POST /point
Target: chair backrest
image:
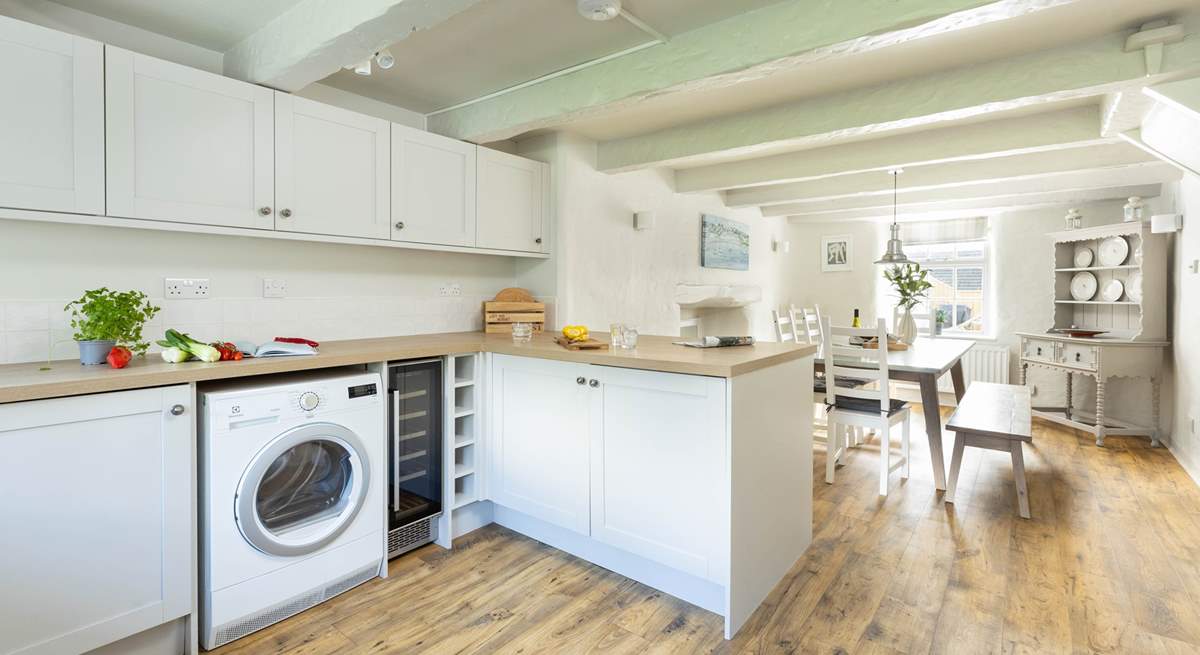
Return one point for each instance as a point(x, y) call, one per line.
point(807, 324)
point(785, 329)
point(845, 359)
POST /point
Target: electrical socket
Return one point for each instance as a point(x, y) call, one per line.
point(185, 287)
point(450, 290)
point(274, 287)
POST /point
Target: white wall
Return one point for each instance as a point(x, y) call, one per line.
point(837, 294)
point(334, 291)
point(604, 271)
point(1185, 318)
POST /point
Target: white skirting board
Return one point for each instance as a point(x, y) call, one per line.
point(470, 518)
point(697, 591)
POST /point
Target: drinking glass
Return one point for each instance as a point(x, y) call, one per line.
point(522, 332)
point(616, 335)
point(630, 338)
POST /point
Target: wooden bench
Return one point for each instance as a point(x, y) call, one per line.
point(996, 417)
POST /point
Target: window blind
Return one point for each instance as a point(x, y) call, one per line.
point(955, 229)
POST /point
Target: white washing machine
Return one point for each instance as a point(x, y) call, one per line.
point(292, 480)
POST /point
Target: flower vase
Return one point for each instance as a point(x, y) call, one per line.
point(906, 328)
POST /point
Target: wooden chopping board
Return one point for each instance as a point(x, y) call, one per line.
point(514, 294)
point(589, 344)
point(891, 346)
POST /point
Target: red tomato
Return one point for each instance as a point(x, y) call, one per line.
point(119, 357)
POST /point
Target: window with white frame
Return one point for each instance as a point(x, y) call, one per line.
point(955, 252)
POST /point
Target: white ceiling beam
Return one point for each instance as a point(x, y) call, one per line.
point(1043, 132)
point(1153, 172)
point(933, 176)
point(976, 206)
point(315, 38)
point(751, 46)
point(1070, 73)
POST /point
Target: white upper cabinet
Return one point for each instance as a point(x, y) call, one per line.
point(513, 202)
point(540, 439)
point(187, 146)
point(433, 188)
point(331, 170)
point(51, 120)
point(658, 460)
point(98, 515)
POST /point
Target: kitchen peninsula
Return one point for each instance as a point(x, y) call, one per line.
point(689, 470)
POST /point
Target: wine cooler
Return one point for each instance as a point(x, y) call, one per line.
point(414, 453)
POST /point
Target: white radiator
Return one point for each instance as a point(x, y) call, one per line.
point(983, 363)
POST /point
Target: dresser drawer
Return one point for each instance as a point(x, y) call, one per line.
point(1039, 349)
point(1080, 356)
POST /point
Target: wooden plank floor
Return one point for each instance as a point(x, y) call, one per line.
point(1110, 563)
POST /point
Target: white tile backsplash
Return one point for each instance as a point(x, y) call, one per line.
point(29, 327)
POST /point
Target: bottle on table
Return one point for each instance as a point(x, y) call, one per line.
point(856, 322)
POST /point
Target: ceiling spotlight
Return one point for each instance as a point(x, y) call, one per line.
point(385, 59)
point(599, 9)
point(363, 67)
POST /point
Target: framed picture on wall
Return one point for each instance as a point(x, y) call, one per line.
point(837, 253)
point(724, 243)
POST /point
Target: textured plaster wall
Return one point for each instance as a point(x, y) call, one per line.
point(1184, 320)
point(838, 294)
point(604, 271)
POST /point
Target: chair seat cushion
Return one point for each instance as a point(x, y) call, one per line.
point(867, 405)
point(843, 383)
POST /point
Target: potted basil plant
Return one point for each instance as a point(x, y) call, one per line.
point(103, 318)
point(941, 318)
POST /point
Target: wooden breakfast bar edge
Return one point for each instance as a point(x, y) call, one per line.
point(60, 378)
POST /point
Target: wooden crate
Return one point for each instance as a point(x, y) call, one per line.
point(499, 315)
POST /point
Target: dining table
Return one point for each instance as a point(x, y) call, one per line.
point(925, 361)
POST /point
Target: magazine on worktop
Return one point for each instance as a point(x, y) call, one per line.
point(717, 342)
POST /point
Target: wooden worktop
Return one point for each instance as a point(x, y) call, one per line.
point(68, 378)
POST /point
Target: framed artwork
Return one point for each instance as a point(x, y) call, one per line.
point(724, 243)
point(837, 253)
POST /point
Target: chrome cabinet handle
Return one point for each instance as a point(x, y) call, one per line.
point(265, 211)
point(286, 213)
point(593, 383)
point(177, 410)
point(399, 225)
point(538, 240)
point(581, 380)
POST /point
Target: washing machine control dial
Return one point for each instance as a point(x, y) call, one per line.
point(309, 401)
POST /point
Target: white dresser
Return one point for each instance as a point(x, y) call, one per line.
point(1134, 325)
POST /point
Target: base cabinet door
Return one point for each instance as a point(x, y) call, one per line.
point(97, 515)
point(331, 170)
point(539, 457)
point(513, 201)
point(186, 145)
point(433, 188)
point(51, 120)
point(658, 467)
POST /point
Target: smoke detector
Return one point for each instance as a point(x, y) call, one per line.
point(599, 9)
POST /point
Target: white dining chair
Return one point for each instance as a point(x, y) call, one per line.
point(866, 406)
point(785, 326)
point(808, 323)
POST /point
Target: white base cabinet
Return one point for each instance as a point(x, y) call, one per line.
point(633, 459)
point(97, 514)
point(51, 120)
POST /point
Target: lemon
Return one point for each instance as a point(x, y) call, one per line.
point(575, 332)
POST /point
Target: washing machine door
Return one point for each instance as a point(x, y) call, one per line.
point(302, 490)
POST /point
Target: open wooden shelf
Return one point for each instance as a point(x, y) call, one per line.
point(1099, 268)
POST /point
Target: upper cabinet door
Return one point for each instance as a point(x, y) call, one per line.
point(331, 170)
point(433, 188)
point(187, 146)
point(51, 120)
point(513, 202)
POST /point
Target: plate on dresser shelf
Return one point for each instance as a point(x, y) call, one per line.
point(1079, 332)
point(1083, 257)
point(1083, 286)
point(1133, 286)
point(1112, 291)
point(1113, 251)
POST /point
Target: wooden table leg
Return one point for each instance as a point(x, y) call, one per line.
point(1018, 464)
point(956, 376)
point(960, 443)
point(933, 427)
